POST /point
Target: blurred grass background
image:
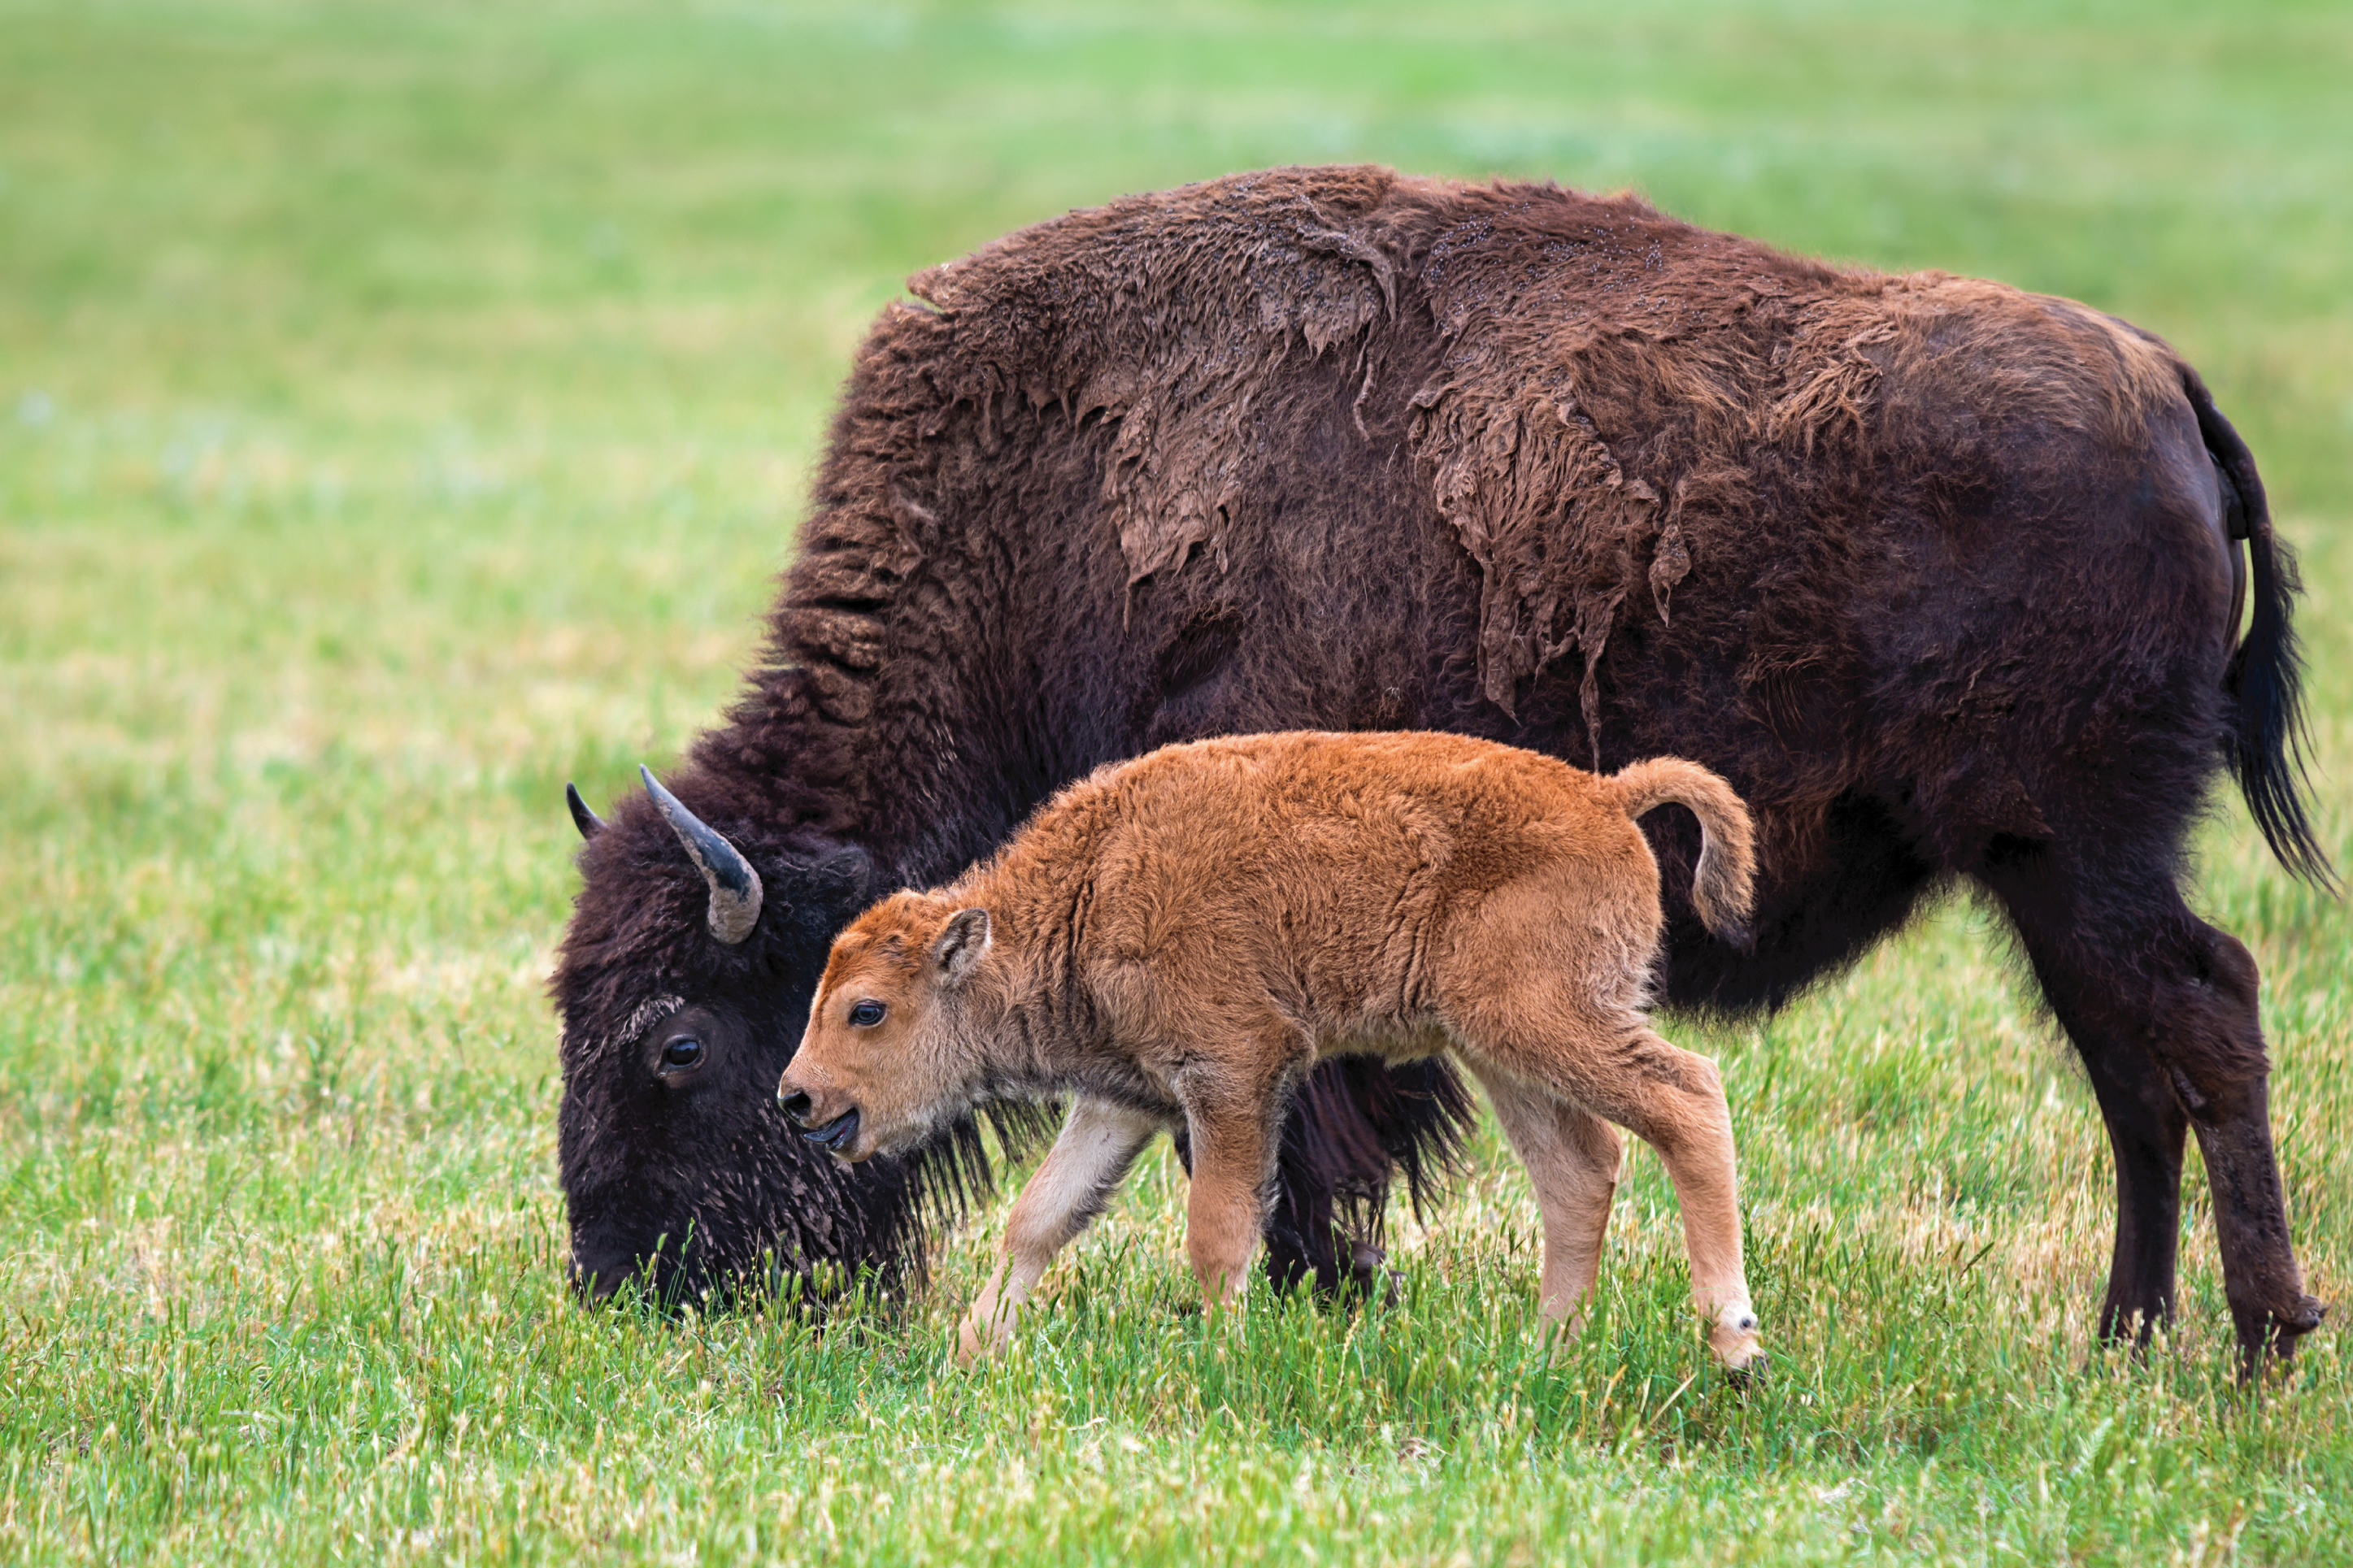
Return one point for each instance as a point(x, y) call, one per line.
point(405, 408)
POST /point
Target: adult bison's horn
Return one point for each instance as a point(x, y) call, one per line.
point(586, 821)
point(734, 886)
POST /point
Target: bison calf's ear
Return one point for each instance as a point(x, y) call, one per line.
point(961, 945)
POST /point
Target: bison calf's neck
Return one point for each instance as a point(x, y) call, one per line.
point(1177, 940)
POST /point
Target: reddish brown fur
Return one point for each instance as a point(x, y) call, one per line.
point(1178, 939)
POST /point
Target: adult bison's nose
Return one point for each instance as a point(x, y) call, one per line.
point(607, 1257)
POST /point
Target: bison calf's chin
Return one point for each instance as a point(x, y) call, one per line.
point(1176, 940)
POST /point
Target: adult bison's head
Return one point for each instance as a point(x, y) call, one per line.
point(684, 983)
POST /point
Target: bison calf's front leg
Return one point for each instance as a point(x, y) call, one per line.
point(1085, 1166)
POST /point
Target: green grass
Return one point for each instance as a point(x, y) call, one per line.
point(404, 408)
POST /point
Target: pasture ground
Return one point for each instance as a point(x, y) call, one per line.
point(403, 408)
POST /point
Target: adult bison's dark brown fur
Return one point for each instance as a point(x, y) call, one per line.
point(1938, 574)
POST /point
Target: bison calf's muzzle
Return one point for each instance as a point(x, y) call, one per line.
point(839, 1134)
point(1176, 940)
point(823, 1119)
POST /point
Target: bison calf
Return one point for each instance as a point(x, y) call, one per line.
point(1178, 939)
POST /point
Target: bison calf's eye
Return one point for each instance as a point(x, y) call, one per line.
point(682, 1053)
point(865, 1015)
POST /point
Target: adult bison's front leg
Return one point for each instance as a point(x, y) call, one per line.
point(1353, 1124)
point(2163, 1009)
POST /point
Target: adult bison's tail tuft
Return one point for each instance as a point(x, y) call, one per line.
point(1722, 886)
point(2265, 675)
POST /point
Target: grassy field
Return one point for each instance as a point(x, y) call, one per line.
point(403, 408)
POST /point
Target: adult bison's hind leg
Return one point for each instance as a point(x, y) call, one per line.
point(2147, 1126)
point(2162, 1008)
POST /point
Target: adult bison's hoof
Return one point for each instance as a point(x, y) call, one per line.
point(1369, 1279)
point(2262, 1330)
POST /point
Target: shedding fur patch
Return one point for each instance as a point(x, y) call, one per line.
point(1608, 375)
point(1620, 418)
point(1172, 316)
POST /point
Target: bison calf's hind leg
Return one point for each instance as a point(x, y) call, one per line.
point(1572, 1156)
point(1674, 1101)
point(1086, 1164)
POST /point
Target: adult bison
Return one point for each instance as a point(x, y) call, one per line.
point(1943, 577)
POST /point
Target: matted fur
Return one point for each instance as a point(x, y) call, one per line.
point(1177, 940)
point(1937, 572)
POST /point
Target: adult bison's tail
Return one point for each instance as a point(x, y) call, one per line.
point(1722, 886)
point(2265, 675)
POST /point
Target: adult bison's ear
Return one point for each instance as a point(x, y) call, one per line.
point(960, 945)
point(847, 876)
point(734, 885)
point(586, 821)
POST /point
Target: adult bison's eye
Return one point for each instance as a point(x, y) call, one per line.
point(682, 1052)
point(865, 1015)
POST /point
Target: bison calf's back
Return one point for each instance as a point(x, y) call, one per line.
point(1175, 940)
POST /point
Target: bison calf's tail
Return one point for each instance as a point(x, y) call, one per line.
point(1721, 888)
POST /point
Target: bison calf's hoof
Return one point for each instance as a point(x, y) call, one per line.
point(1734, 1338)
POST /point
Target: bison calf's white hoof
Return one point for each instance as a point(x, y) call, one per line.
point(1735, 1339)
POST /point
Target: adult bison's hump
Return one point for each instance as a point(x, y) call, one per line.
point(1606, 409)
